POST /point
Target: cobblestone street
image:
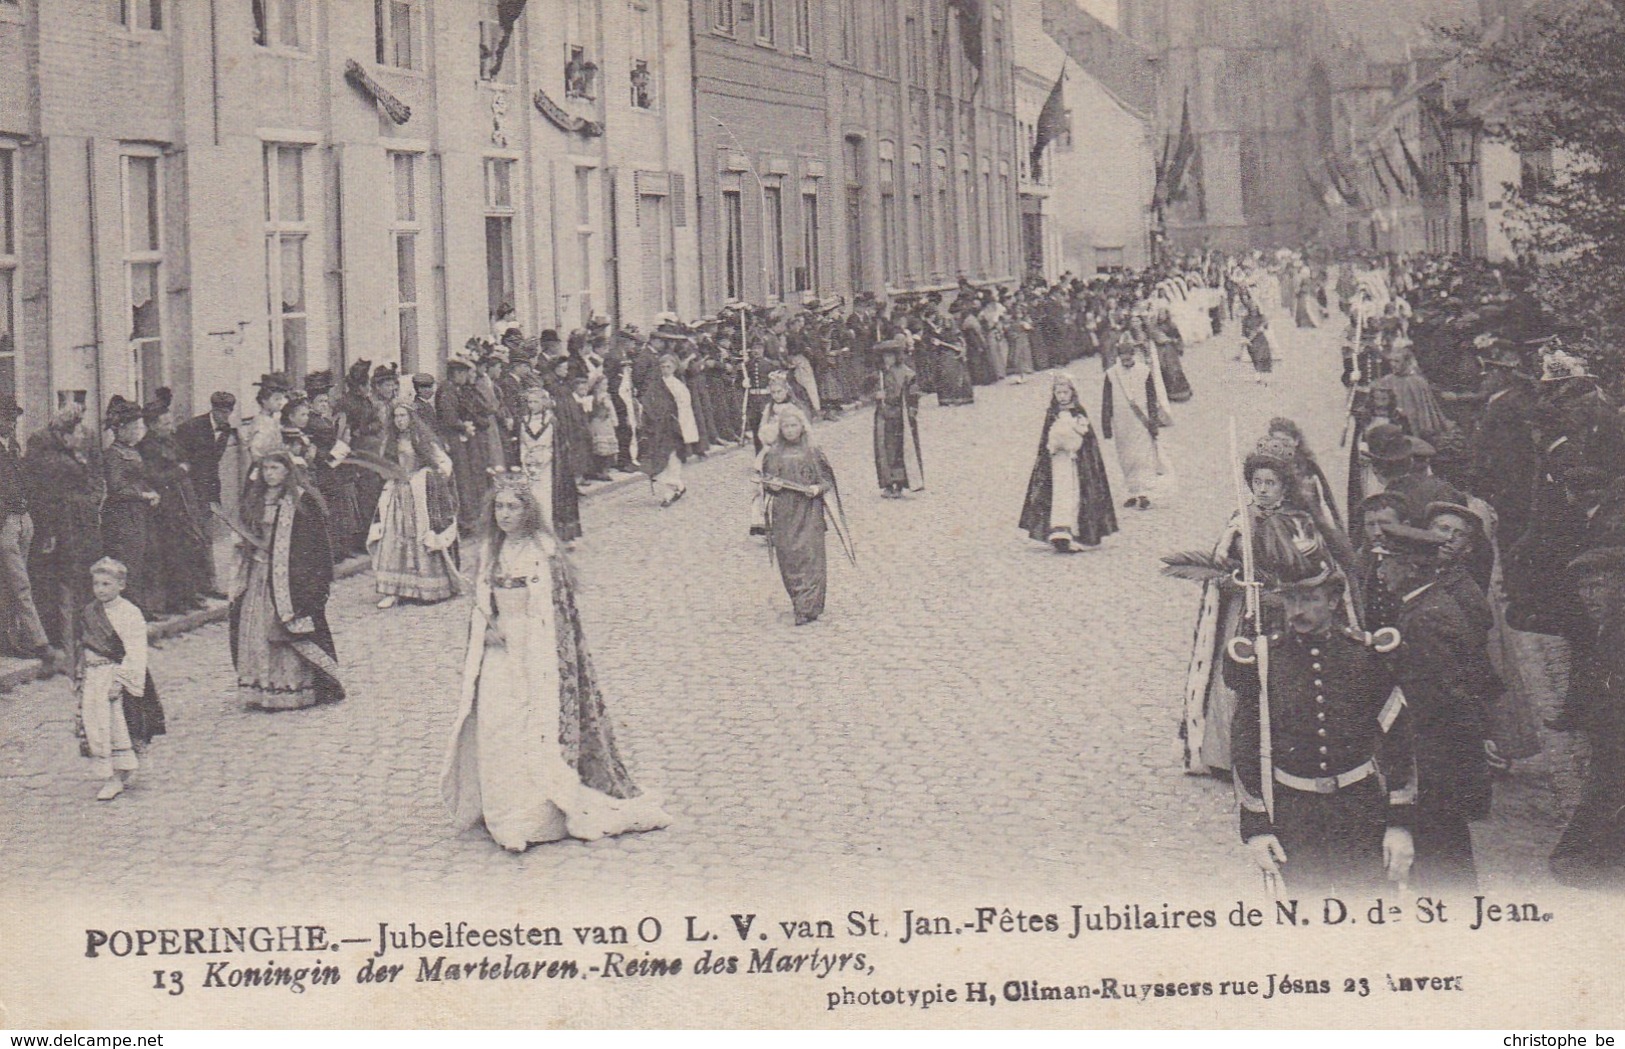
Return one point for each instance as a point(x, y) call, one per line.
point(972, 706)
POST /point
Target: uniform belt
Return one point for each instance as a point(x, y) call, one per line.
point(1326, 784)
point(762, 390)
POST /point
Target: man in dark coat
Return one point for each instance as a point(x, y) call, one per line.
point(1399, 462)
point(67, 488)
point(1344, 775)
point(20, 626)
point(204, 440)
point(1439, 664)
point(1506, 462)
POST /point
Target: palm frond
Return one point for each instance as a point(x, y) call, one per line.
point(1198, 567)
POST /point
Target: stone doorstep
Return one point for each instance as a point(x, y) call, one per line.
point(15, 671)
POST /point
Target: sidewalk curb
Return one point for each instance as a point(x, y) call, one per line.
point(27, 670)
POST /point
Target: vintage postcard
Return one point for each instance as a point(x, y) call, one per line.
point(811, 514)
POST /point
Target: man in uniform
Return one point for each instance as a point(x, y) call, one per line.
point(1342, 748)
point(1442, 671)
point(1506, 461)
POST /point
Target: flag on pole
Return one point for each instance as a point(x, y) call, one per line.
point(970, 30)
point(1418, 177)
point(1183, 150)
point(1053, 123)
point(1382, 151)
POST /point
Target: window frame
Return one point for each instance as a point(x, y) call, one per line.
point(732, 228)
point(134, 258)
point(811, 235)
point(586, 232)
point(275, 22)
point(644, 55)
point(766, 24)
point(801, 27)
point(773, 241)
point(724, 17)
point(493, 210)
point(400, 227)
point(124, 16)
point(278, 231)
point(387, 47)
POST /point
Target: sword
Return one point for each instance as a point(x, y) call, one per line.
point(1251, 588)
point(237, 526)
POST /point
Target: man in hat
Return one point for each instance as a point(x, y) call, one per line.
point(204, 440)
point(461, 420)
point(19, 619)
point(1342, 745)
point(1506, 462)
point(424, 387)
point(1397, 460)
point(1441, 670)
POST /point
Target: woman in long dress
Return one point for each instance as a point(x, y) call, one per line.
point(532, 753)
point(1069, 500)
point(798, 483)
point(1133, 388)
point(540, 456)
point(280, 642)
point(667, 430)
point(413, 535)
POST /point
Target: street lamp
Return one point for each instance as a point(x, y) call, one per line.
point(1462, 130)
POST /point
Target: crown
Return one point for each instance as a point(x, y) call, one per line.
point(509, 478)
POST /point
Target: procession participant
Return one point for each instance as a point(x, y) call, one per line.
point(533, 753)
point(204, 440)
point(281, 645)
point(1314, 490)
point(1281, 535)
point(1069, 500)
point(949, 353)
point(492, 438)
point(180, 562)
point(368, 405)
point(898, 462)
point(295, 417)
point(1591, 852)
point(1164, 335)
point(757, 369)
point(978, 357)
point(1131, 382)
point(127, 511)
point(415, 529)
point(1255, 329)
point(799, 483)
point(1506, 462)
point(991, 318)
point(328, 430)
point(1437, 667)
point(545, 463)
point(262, 434)
point(1019, 327)
point(779, 402)
point(573, 446)
point(667, 430)
point(118, 704)
point(66, 488)
point(1344, 779)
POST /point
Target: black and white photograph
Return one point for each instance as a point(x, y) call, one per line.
point(812, 513)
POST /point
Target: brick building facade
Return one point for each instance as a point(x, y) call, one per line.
point(852, 145)
point(202, 192)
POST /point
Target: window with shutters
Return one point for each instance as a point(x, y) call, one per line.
point(278, 23)
point(586, 228)
point(773, 216)
point(645, 54)
point(396, 30)
point(404, 234)
point(733, 243)
point(138, 14)
point(809, 239)
point(723, 17)
point(8, 270)
point(287, 237)
point(501, 213)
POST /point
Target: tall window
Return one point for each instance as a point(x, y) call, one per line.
point(143, 268)
point(645, 52)
point(916, 213)
point(1002, 222)
point(989, 235)
point(886, 36)
point(809, 238)
point(773, 208)
point(966, 217)
point(765, 22)
point(722, 16)
point(853, 163)
point(585, 229)
point(501, 284)
point(287, 232)
point(914, 40)
point(802, 37)
point(396, 29)
point(278, 23)
point(404, 234)
point(138, 14)
point(8, 270)
point(497, 61)
point(889, 254)
point(733, 243)
point(947, 228)
point(850, 33)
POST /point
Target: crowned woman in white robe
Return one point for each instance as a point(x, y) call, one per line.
point(532, 752)
point(1131, 416)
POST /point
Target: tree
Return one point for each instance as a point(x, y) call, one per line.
point(1562, 83)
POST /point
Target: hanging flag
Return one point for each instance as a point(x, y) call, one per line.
point(1418, 177)
point(1183, 150)
point(1378, 174)
point(1198, 182)
point(1322, 193)
point(970, 30)
point(1159, 195)
point(1053, 123)
point(1382, 151)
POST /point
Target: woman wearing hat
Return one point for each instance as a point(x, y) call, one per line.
point(180, 563)
point(264, 431)
point(127, 511)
